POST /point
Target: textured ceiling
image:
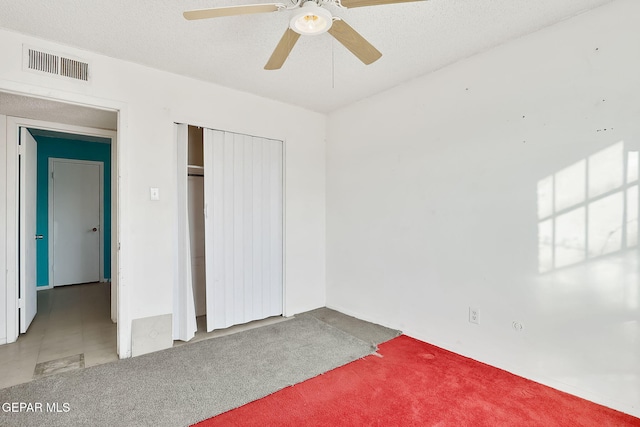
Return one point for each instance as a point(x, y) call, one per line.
point(57, 112)
point(320, 74)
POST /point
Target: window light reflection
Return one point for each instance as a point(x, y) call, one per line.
point(588, 209)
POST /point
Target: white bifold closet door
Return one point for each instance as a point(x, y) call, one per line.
point(243, 228)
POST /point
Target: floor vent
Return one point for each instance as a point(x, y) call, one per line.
point(51, 63)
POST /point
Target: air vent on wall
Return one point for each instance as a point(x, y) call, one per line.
point(51, 63)
point(74, 69)
point(42, 61)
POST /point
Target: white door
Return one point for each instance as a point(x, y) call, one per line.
point(243, 228)
point(27, 300)
point(75, 221)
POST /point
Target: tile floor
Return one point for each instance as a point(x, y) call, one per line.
point(71, 320)
point(76, 320)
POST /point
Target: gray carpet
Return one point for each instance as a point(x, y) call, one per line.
point(187, 384)
point(366, 331)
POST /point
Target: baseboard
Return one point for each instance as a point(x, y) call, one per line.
point(361, 316)
point(44, 288)
point(505, 365)
point(149, 334)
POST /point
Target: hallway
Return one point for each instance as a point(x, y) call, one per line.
point(73, 323)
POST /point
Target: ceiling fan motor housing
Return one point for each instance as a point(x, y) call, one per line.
point(311, 19)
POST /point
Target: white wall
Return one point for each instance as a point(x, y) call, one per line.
point(432, 206)
point(3, 236)
point(150, 102)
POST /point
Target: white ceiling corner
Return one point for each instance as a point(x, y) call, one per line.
point(320, 74)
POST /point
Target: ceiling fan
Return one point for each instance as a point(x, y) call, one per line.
point(311, 18)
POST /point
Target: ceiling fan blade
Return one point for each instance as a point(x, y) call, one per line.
point(353, 41)
point(282, 51)
point(360, 3)
point(217, 12)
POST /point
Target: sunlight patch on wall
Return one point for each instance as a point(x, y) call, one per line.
point(605, 170)
point(569, 239)
point(632, 216)
point(588, 209)
point(605, 225)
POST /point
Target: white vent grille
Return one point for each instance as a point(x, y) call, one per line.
point(51, 63)
point(74, 69)
point(42, 61)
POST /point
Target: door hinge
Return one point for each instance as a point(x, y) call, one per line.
point(21, 303)
point(20, 149)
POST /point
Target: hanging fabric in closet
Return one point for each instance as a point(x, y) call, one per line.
point(243, 227)
point(184, 315)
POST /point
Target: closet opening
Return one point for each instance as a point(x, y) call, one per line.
point(195, 201)
point(230, 232)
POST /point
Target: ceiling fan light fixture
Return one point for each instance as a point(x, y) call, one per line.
point(311, 19)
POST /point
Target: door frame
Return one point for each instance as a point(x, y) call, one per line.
point(50, 180)
point(13, 125)
point(121, 235)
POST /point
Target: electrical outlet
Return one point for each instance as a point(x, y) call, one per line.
point(474, 315)
point(154, 193)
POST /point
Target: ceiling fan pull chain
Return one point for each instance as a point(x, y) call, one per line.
point(333, 64)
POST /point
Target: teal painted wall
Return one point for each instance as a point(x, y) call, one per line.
point(77, 150)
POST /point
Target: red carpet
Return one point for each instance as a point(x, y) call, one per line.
point(417, 384)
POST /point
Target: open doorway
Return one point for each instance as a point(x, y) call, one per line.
point(73, 211)
point(65, 285)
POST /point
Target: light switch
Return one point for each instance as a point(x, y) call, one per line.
point(154, 193)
